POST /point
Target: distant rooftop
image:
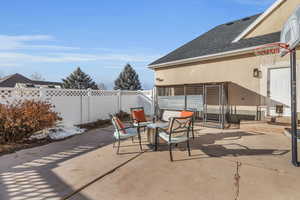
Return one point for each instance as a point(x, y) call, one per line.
point(12, 80)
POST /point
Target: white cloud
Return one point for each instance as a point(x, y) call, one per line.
point(21, 42)
point(12, 58)
point(50, 47)
point(27, 37)
point(8, 65)
point(256, 2)
point(12, 52)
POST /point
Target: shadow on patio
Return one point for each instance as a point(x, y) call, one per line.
point(223, 144)
point(38, 178)
point(28, 180)
point(32, 175)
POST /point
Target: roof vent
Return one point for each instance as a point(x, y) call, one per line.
point(245, 19)
point(230, 23)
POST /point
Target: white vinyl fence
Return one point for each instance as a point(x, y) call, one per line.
point(82, 106)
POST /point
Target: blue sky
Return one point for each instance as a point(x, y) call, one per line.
point(52, 37)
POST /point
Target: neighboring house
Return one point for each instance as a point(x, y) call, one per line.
point(221, 65)
point(20, 81)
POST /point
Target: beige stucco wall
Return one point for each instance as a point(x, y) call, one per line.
point(245, 90)
point(274, 22)
point(238, 70)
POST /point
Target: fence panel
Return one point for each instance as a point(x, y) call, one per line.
point(102, 106)
point(80, 106)
point(128, 99)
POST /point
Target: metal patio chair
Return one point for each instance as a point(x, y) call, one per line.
point(167, 114)
point(139, 119)
point(189, 113)
point(122, 133)
point(177, 132)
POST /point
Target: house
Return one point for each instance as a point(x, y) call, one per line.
point(20, 81)
point(221, 65)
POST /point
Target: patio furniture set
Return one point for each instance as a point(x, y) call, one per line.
point(173, 127)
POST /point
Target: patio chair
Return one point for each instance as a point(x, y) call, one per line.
point(122, 132)
point(167, 114)
point(138, 118)
point(189, 113)
point(177, 132)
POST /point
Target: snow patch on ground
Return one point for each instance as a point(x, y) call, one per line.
point(64, 132)
point(59, 132)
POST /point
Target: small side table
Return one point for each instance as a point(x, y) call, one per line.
point(155, 126)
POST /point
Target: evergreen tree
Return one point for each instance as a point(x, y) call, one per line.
point(79, 80)
point(128, 79)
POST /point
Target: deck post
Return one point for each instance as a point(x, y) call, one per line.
point(185, 97)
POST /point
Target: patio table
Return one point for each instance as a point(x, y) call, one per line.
point(156, 126)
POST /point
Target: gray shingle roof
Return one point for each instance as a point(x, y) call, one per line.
point(219, 40)
point(46, 83)
point(11, 80)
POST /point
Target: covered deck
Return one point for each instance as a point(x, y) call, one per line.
point(215, 104)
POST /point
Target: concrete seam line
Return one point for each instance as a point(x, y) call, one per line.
point(100, 177)
point(248, 164)
point(237, 178)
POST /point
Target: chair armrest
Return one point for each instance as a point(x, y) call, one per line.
point(180, 117)
point(128, 127)
point(164, 130)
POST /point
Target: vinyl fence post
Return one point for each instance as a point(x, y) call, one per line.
point(119, 101)
point(89, 94)
point(43, 94)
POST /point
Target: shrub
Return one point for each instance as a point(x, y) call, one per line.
point(97, 124)
point(20, 119)
point(124, 116)
point(104, 122)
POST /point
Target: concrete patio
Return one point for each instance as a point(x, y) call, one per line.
point(86, 167)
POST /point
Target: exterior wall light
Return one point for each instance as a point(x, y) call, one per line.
point(256, 73)
point(159, 79)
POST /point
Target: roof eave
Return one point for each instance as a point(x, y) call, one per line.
point(204, 58)
point(259, 20)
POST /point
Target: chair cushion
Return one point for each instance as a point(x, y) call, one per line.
point(120, 125)
point(167, 114)
point(130, 132)
point(139, 115)
point(174, 139)
point(162, 125)
point(185, 113)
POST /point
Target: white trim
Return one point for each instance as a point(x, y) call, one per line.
point(259, 19)
point(207, 57)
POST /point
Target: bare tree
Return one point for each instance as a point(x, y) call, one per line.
point(102, 86)
point(37, 77)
